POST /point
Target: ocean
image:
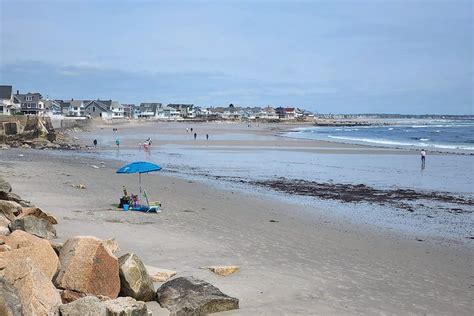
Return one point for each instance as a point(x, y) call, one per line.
point(456, 136)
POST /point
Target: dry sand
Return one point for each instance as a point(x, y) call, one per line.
point(289, 263)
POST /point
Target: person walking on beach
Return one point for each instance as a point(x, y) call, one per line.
point(191, 129)
point(207, 136)
point(423, 157)
point(195, 135)
point(117, 142)
point(95, 142)
point(187, 129)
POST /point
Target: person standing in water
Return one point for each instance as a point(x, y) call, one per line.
point(207, 136)
point(95, 142)
point(117, 142)
point(423, 157)
point(195, 135)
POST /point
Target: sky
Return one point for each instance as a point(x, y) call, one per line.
point(378, 56)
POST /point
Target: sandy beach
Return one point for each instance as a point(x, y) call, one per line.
point(296, 256)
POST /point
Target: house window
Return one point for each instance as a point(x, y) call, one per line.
point(28, 105)
point(29, 98)
point(93, 109)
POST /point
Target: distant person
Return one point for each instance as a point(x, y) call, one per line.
point(117, 142)
point(95, 142)
point(207, 136)
point(423, 156)
point(191, 129)
point(195, 135)
point(187, 129)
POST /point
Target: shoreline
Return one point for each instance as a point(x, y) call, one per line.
point(344, 266)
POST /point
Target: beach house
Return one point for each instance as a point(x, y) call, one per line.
point(105, 109)
point(51, 107)
point(29, 103)
point(286, 113)
point(184, 110)
point(130, 111)
point(6, 100)
point(149, 109)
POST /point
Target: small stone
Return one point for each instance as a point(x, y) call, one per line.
point(160, 275)
point(223, 270)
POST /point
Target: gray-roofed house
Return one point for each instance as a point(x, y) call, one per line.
point(105, 109)
point(29, 103)
point(6, 100)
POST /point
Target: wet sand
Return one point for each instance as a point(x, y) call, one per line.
point(291, 263)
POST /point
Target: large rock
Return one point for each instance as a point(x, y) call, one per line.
point(10, 209)
point(126, 306)
point(134, 279)
point(88, 267)
point(10, 304)
point(89, 305)
point(37, 212)
point(25, 246)
point(10, 196)
point(37, 294)
point(5, 186)
point(34, 225)
point(190, 296)
point(160, 275)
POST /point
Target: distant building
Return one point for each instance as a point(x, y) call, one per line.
point(105, 109)
point(286, 113)
point(29, 103)
point(51, 107)
point(6, 100)
point(184, 110)
point(149, 109)
point(130, 111)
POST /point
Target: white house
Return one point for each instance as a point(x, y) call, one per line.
point(6, 100)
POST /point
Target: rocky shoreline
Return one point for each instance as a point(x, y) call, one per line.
point(83, 276)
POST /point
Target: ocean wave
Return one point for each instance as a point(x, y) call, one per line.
point(395, 143)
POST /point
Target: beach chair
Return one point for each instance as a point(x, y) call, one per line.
point(150, 207)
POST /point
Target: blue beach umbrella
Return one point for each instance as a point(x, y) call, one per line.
point(139, 167)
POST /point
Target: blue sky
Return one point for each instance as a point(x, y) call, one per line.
point(326, 56)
